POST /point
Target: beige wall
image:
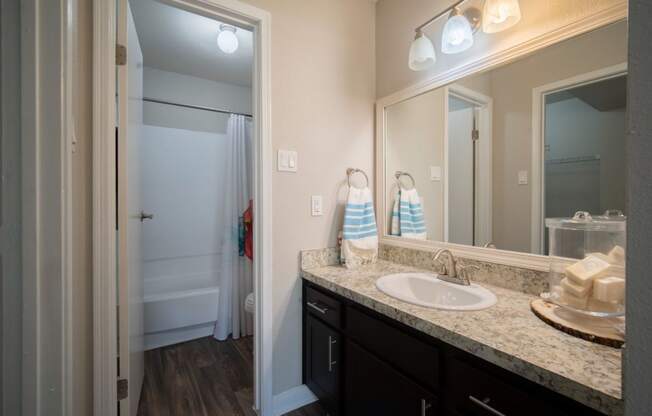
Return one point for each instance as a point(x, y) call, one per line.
point(397, 19)
point(415, 142)
point(322, 106)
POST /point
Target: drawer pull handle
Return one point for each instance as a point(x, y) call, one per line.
point(484, 404)
point(314, 306)
point(331, 363)
point(425, 406)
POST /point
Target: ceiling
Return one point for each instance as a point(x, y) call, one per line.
point(606, 95)
point(178, 41)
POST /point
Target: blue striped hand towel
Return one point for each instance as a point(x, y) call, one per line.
point(360, 236)
point(411, 223)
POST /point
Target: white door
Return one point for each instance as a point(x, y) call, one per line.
point(461, 162)
point(130, 282)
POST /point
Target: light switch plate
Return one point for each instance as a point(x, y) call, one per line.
point(316, 206)
point(287, 161)
point(522, 177)
point(435, 173)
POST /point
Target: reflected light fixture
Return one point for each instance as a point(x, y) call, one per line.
point(422, 53)
point(499, 15)
point(457, 35)
point(227, 41)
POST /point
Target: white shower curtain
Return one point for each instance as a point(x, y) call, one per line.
point(236, 277)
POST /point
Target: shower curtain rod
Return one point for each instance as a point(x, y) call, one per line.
point(194, 107)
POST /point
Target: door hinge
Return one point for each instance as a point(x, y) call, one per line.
point(475, 134)
point(120, 55)
point(123, 388)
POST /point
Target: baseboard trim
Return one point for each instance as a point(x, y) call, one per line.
point(292, 399)
point(177, 335)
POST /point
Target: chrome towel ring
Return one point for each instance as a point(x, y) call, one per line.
point(351, 171)
point(398, 175)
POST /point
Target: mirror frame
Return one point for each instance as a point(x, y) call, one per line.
point(538, 262)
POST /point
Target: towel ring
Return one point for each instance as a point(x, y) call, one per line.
point(351, 171)
point(398, 175)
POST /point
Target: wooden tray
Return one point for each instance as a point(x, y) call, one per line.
point(599, 330)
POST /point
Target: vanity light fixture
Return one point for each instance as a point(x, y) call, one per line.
point(422, 53)
point(499, 15)
point(457, 36)
point(227, 41)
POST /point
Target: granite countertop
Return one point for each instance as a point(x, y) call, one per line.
point(507, 334)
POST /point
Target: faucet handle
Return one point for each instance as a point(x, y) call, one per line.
point(464, 271)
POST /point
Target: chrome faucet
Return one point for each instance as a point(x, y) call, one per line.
point(450, 274)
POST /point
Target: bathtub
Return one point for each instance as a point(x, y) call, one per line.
point(179, 309)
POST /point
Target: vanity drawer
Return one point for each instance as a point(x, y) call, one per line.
point(475, 390)
point(414, 357)
point(324, 307)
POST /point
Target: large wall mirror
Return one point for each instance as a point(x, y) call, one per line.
point(484, 160)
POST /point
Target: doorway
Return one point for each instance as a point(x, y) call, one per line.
point(468, 177)
point(578, 127)
point(174, 181)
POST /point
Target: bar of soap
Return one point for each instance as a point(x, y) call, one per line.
point(609, 289)
point(617, 255)
point(573, 301)
point(575, 289)
point(601, 256)
point(616, 268)
point(584, 271)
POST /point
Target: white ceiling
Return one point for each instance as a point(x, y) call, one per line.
point(178, 41)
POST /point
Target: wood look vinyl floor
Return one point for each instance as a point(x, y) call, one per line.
point(203, 377)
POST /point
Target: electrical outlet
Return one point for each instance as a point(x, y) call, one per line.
point(316, 206)
point(522, 177)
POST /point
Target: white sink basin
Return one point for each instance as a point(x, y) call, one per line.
point(425, 289)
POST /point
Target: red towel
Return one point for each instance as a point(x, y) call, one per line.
point(248, 219)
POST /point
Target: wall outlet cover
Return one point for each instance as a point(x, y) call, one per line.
point(316, 206)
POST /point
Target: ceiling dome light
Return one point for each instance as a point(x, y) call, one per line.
point(457, 35)
point(227, 41)
point(499, 15)
point(422, 53)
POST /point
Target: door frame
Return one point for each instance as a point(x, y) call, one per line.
point(537, 221)
point(484, 162)
point(104, 195)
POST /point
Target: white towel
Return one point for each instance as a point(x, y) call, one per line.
point(360, 236)
point(409, 215)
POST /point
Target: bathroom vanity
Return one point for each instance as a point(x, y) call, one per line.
point(366, 353)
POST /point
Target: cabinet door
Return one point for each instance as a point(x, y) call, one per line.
point(374, 388)
point(322, 363)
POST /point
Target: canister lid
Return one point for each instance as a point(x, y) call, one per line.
point(611, 220)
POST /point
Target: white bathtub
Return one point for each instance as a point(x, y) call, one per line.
point(179, 309)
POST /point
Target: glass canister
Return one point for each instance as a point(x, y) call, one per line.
point(593, 282)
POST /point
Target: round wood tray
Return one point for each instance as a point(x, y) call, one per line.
point(599, 330)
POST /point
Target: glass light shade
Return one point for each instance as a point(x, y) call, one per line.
point(499, 15)
point(422, 53)
point(457, 35)
point(227, 41)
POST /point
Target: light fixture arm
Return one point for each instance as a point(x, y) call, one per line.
point(438, 15)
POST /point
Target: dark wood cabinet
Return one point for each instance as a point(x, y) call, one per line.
point(372, 387)
point(359, 363)
point(322, 363)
